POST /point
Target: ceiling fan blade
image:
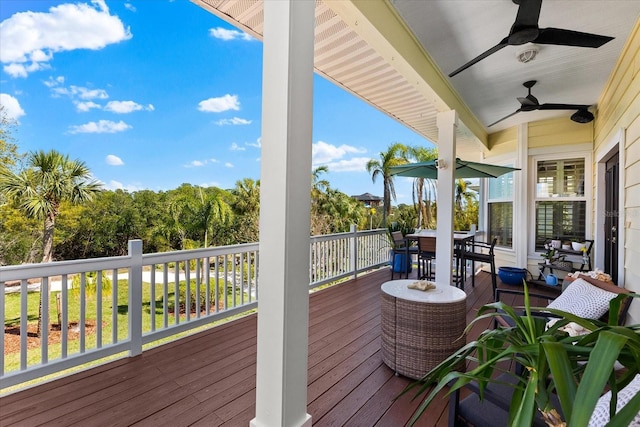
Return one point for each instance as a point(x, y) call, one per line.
point(528, 14)
point(550, 106)
point(558, 36)
point(505, 117)
point(480, 57)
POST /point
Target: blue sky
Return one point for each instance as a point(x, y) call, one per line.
point(153, 94)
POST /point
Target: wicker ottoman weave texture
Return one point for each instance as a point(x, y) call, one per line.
point(420, 329)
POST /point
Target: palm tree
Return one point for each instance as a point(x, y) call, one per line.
point(395, 155)
point(211, 210)
point(246, 208)
point(423, 188)
point(466, 205)
point(38, 191)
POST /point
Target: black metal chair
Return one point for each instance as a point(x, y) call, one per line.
point(492, 410)
point(426, 254)
point(481, 252)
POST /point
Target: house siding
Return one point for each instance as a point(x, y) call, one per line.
point(619, 108)
point(555, 132)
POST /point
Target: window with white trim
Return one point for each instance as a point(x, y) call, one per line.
point(560, 201)
point(500, 210)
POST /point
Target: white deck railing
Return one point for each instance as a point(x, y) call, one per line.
point(116, 305)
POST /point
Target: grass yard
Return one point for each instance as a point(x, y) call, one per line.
point(110, 330)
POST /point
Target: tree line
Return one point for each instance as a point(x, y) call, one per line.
point(42, 192)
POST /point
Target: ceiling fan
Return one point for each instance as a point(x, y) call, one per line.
point(525, 29)
point(530, 103)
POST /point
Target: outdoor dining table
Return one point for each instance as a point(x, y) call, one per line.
point(459, 241)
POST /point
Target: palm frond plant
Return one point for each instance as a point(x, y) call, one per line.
point(577, 369)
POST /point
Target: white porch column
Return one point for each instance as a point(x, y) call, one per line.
point(285, 187)
point(447, 123)
point(521, 199)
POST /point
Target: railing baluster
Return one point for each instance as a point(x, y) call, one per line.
point(207, 275)
point(217, 285)
point(165, 295)
point(24, 318)
point(114, 306)
point(64, 326)
point(99, 310)
point(152, 297)
point(198, 269)
point(44, 340)
point(256, 258)
point(242, 278)
point(187, 278)
point(83, 308)
point(176, 296)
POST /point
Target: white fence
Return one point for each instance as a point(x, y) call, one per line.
point(115, 306)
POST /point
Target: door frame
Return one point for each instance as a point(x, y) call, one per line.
point(615, 143)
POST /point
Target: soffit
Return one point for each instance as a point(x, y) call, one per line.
point(346, 58)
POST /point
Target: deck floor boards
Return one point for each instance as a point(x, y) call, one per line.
point(208, 378)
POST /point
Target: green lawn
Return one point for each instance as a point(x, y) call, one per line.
point(12, 316)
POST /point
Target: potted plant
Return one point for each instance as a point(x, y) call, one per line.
point(553, 362)
point(550, 254)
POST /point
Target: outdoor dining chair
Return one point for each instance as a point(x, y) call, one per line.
point(476, 251)
point(426, 255)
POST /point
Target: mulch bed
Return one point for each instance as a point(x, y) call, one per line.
point(12, 335)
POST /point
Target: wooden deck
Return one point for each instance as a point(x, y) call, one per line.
point(208, 379)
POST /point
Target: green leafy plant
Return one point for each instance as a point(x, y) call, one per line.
point(553, 363)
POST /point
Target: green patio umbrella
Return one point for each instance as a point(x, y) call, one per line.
point(463, 169)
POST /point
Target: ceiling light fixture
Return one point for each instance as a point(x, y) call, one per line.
point(582, 116)
point(528, 53)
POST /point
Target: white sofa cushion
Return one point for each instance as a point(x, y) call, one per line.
point(583, 299)
point(600, 416)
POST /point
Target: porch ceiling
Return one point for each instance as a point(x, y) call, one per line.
point(395, 55)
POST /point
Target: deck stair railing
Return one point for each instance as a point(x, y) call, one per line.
point(114, 307)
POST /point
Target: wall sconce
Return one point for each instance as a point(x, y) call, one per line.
point(441, 164)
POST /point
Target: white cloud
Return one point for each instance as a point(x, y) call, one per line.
point(356, 164)
point(11, 106)
point(220, 104)
point(257, 144)
point(233, 121)
point(200, 163)
point(117, 185)
point(236, 147)
point(51, 82)
point(224, 34)
point(74, 92)
point(80, 92)
point(323, 152)
point(228, 165)
point(210, 184)
point(114, 160)
point(102, 126)
point(125, 107)
point(130, 7)
point(87, 106)
point(29, 39)
point(21, 70)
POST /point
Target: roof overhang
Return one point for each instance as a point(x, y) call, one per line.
point(365, 48)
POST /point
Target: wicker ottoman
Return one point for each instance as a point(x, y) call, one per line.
point(420, 329)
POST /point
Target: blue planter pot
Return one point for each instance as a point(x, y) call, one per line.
point(512, 275)
point(400, 262)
